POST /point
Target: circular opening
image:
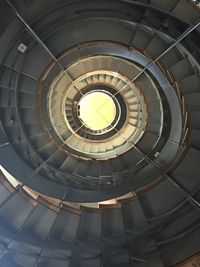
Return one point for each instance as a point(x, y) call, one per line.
point(97, 110)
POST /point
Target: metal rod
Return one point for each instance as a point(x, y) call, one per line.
point(194, 202)
point(5, 144)
point(172, 180)
point(39, 40)
point(179, 39)
point(14, 70)
point(45, 161)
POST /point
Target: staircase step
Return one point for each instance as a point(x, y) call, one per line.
point(171, 58)
point(16, 211)
point(182, 69)
point(187, 172)
point(193, 102)
point(69, 164)
point(40, 228)
point(194, 138)
point(93, 169)
point(190, 85)
point(142, 38)
point(90, 226)
point(112, 224)
point(156, 46)
point(81, 168)
point(195, 119)
point(66, 226)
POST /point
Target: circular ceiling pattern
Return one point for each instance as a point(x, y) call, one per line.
point(127, 126)
point(99, 112)
point(72, 148)
point(130, 125)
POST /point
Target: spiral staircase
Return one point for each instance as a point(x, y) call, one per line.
point(123, 194)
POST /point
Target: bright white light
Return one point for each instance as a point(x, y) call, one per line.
point(97, 110)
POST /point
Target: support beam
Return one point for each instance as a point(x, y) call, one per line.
point(189, 197)
point(39, 40)
point(180, 38)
